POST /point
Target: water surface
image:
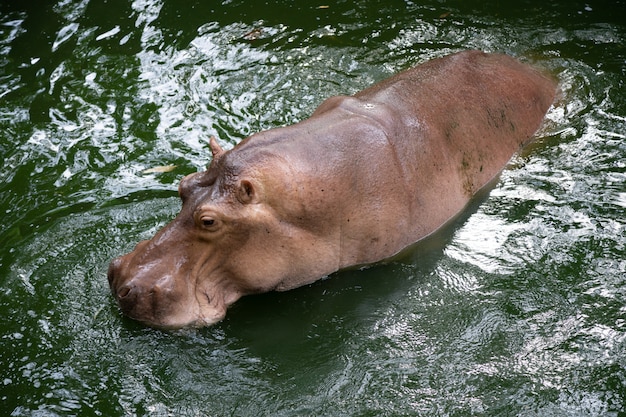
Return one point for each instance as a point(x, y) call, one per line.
point(518, 309)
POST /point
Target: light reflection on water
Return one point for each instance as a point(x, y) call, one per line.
point(517, 310)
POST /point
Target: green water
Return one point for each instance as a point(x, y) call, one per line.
point(517, 310)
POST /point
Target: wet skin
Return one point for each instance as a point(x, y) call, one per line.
point(361, 179)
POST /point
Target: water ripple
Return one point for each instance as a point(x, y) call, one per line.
point(519, 310)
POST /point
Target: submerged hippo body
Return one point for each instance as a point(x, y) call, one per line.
point(364, 177)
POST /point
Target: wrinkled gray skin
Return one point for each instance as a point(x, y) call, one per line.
point(357, 182)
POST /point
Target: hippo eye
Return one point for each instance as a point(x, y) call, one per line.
point(208, 223)
point(207, 219)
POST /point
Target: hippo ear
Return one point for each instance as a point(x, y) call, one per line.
point(246, 193)
point(216, 149)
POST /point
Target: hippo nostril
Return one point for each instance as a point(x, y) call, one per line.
point(124, 291)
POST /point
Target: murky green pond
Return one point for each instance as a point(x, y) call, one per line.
point(519, 309)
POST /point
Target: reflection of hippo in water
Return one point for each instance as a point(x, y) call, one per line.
point(360, 180)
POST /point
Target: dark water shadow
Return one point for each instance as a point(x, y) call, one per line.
point(180, 21)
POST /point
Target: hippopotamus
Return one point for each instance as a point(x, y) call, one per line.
point(363, 178)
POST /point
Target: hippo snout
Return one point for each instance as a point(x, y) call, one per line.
point(150, 291)
point(120, 272)
point(134, 301)
point(125, 292)
point(114, 267)
point(120, 288)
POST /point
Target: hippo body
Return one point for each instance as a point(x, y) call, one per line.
point(361, 179)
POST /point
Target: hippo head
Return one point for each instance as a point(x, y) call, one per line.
point(187, 275)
